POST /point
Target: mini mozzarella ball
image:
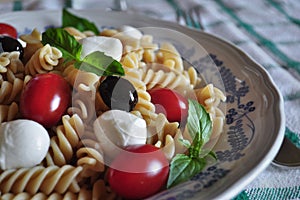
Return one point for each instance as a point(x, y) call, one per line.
point(131, 31)
point(23, 143)
point(108, 45)
point(116, 129)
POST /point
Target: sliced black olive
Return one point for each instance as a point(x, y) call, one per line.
point(118, 93)
point(9, 44)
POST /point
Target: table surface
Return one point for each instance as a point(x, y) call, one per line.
point(268, 30)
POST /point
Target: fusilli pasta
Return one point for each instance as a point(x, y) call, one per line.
point(144, 107)
point(65, 139)
point(33, 43)
point(10, 92)
point(47, 180)
point(11, 66)
point(43, 60)
point(8, 112)
point(78, 34)
point(90, 157)
point(99, 191)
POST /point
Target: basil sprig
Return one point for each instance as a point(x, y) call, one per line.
point(96, 62)
point(82, 24)
point(185, 166)
point(66, 43)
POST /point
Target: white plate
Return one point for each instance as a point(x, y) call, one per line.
point(254, 112)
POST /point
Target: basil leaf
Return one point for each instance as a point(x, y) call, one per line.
point(66, 43)
point(183, 168)
point(100, 64)
point(82, 24)
point(213, 155)
point(198, 123)
point(185, 142)
point(96, 62)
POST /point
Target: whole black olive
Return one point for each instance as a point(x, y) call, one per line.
point(9, 44)
point(118, 93)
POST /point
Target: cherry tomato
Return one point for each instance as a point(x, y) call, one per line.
point(45, 99)
point(138, 172)
point(171, 103)
point(6, 29)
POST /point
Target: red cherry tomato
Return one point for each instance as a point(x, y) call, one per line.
point(171, 103)
point(138, 172)
point(6, 29)
point(45, 99)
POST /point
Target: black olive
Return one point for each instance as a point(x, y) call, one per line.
point(118, 93)
point(9, 44)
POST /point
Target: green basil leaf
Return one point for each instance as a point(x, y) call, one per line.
point(100, 64)
point(82, 24)
point(199, 124)
point(193, 119)
point(185, 142)
point(66, 43)
point(183, 167)
point(213, 155)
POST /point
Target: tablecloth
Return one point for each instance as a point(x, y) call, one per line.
point(268, 30)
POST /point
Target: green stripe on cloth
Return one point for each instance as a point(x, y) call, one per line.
point(262, 40)
point(279, 8)
point(17, 5)
point(293, 96)
point(181, 13)
point(242, 196)
point(293, 137)
point(68, 4)
point(274, 193)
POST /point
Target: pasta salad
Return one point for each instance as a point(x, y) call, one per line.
point(100, 114)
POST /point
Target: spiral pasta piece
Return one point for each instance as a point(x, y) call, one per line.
point(131, 60)
point(47, 180)
point(8, 112)
point(43, 60)
point(11, 66)
point(81, 80)
point(66, 139)
point(84, 102)
point(78, 35)
point(90, 157)
point(170, 57)
point(149, 55)
point(6, 58)
point(33, 43)
point(163, 79)
point(4, 61)
point(160, 127)
point(98, 191)
point(166, 135)
point(144, 107)
point(84, 107)
point(10, 92)
point(192, 75)
point(210, 97)
point(172, 145)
